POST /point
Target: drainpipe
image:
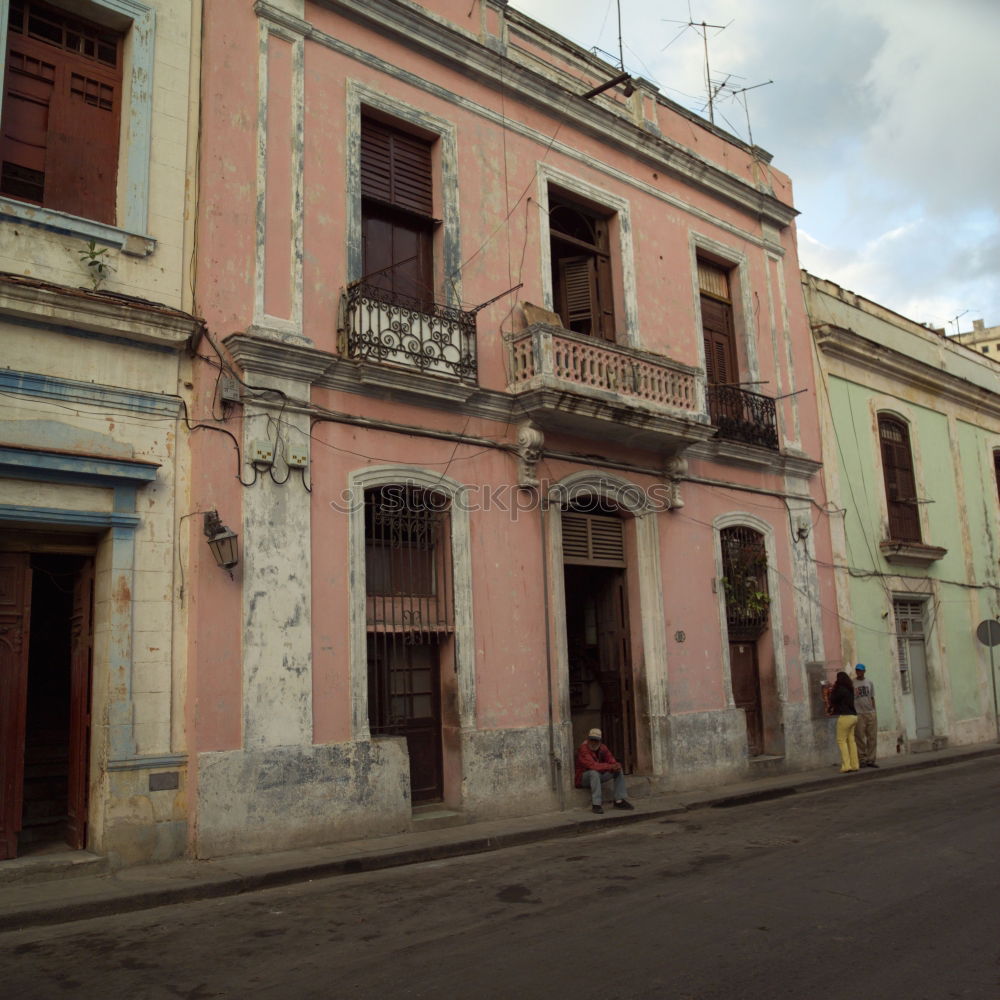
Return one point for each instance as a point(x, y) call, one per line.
point(555, 763)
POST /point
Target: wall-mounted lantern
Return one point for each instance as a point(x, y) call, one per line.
point(223, 542)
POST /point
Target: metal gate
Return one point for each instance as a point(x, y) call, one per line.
point(409, 613)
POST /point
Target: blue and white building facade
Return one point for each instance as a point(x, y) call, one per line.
point(96, 322)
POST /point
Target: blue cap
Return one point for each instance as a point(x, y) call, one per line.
point(859, 666)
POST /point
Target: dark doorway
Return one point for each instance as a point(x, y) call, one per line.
point(46, 710)
point(600, 668)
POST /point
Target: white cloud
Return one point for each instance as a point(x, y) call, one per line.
point(881, 111)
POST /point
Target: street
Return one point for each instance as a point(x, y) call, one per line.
point(871, 888)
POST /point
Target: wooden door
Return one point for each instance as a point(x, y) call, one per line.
point(746, 691)
point(720, 344)
point(618, 706)
point(15, 626)
point(81, 672)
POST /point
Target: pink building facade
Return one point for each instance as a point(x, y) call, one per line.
point(521, 431)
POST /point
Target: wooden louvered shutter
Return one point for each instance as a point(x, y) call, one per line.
point(578, 285)
point(396, 207)
point(900, 483)
point(593, 540)
point(720, 347)
point(396, 168)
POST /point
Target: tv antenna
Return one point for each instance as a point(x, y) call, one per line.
point(702, 28)
point(746, 105)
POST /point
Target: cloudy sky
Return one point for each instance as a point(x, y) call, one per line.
point(886, 114)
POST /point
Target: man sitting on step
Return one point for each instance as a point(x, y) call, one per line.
point(595, 764)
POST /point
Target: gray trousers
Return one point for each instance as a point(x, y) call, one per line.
point(594, 779)
point(866, 736)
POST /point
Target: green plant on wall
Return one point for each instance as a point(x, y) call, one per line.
point(744, 599)
point(744, 580)
point(98, 264)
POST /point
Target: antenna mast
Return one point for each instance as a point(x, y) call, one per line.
point(702, 27)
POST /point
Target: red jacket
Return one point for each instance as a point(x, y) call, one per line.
point(601, 759)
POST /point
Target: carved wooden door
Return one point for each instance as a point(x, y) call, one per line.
point(81, 655)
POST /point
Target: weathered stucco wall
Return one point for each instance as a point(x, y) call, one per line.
point(286, 797)
point(279, 673)
point(875, 361)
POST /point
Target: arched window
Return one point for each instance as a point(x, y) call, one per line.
point(744, 577)
point(900, 484)
point(410, 612)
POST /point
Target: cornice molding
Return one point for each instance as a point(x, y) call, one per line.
point(751, 456)
point(95, 312)
point(877, 359)
point(410, 25)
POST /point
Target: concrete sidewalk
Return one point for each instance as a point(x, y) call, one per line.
point(53, 889)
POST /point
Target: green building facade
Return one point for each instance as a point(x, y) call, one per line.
point(911, 455)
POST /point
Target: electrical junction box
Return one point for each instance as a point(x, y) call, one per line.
point(262, 453)
point(298, 458)
point(229, 389)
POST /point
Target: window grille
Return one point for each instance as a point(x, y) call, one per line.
point(909, 617)
point(744, 581)
point(409, 603)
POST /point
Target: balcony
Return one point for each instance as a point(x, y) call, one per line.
point(574, 383)
point(739, 415)
point(389, 329)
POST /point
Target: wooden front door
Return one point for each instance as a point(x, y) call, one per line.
point(746, 692)
point(15, 623)
point(618, 707)
point(81, 657)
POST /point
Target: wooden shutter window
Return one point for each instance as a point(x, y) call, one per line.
point(900, 483)
point(593, 540)
point(396, 168)
point(996, 470)
point(578, 285)
point(582, 277)
point(61, 113)
point(720, 345)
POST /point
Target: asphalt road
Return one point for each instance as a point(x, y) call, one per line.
point(871, 889)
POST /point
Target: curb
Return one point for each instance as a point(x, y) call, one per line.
point(120, 901)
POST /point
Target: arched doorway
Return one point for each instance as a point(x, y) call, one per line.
point(598, 634)
point(748, 603)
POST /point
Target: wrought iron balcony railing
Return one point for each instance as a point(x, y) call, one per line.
point(389, 328)
point(745, 416)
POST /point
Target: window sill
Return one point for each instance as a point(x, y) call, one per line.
point(133, 244)
point(910, 553)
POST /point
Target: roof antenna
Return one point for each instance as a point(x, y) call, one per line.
point(746, 105)
point(623, 77)
point(621, 55)
point(702, 28)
